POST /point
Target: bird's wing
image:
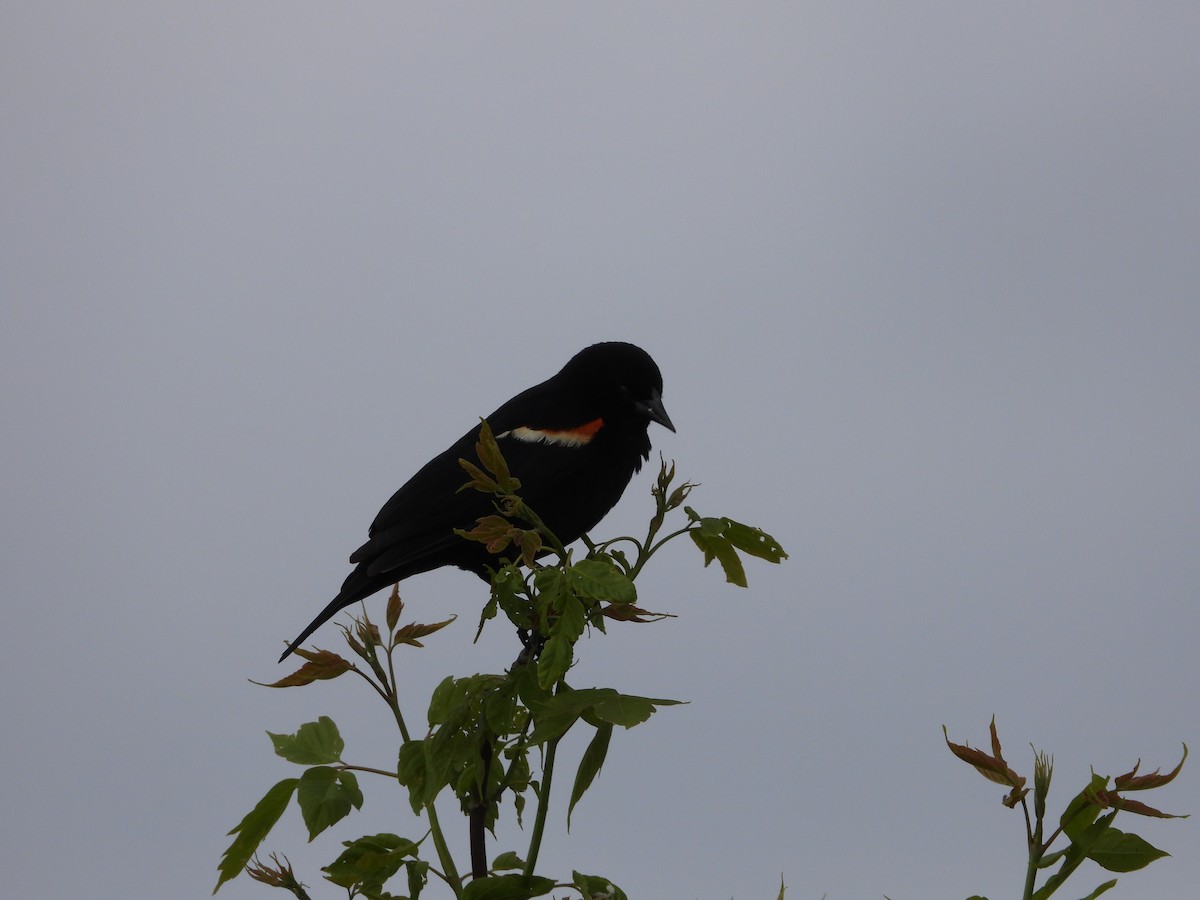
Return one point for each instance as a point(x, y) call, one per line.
point(417, 523)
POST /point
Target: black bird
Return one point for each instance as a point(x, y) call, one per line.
point(574, 442)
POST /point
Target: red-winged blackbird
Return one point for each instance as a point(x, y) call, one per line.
point(574, 442)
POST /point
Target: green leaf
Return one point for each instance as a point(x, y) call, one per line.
point(1051, 858)
point(627, 710)
point(718, 548)
point(589, 765)
point(508, 587)
point(412, 773)
point(369, 861)
point(553, 716)
point(519, 772)
point(500, 710)
point(754, 541)
point(349, 782)
point(554, 661)
point(596, 886)
point(508, 887)
point(550, 584)
point(253, 828)
point(1082, 811)
point(508, 860)
point(571, 620)
point(598, 579)
point(1120, 852)
point(418, 877)
point(1104, 888)
point(326, 796)
point(315, 743)
point(442, 700)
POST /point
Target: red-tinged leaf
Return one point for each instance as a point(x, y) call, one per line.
point(1131, 781)
point(395, 606)
point(489, 453)
point(414, 631)
point(993, 768)
point(996, 751)
point(1136, 806)
point(530, 543)
point(254, 828)
point(321, 666)
point(479, 480)
point(627, 612)
point(1015, 796)
point(280, 874)
point(368, 633)
point(494, 532)
point(679, 495)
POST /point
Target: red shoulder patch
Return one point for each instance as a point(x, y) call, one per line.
point(563, 437)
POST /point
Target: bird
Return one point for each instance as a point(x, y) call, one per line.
point(574, 441)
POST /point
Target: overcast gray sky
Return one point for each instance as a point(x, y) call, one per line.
point(922, 281)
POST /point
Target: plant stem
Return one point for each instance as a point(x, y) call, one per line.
point(443, 852)
point(346, 767)
point(650, 550)
point(393, 700)
point(435, 827)
point(1036, 850)
point(539, 824)
point(478, 816)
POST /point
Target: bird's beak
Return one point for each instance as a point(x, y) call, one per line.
point(656, 412)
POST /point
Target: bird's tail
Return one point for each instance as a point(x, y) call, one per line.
point(340, 602)
point(358, 586)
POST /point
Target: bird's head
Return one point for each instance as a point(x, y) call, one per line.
point(621, 380)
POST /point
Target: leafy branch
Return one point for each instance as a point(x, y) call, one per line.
point(492, 739)
point(1089, 835)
